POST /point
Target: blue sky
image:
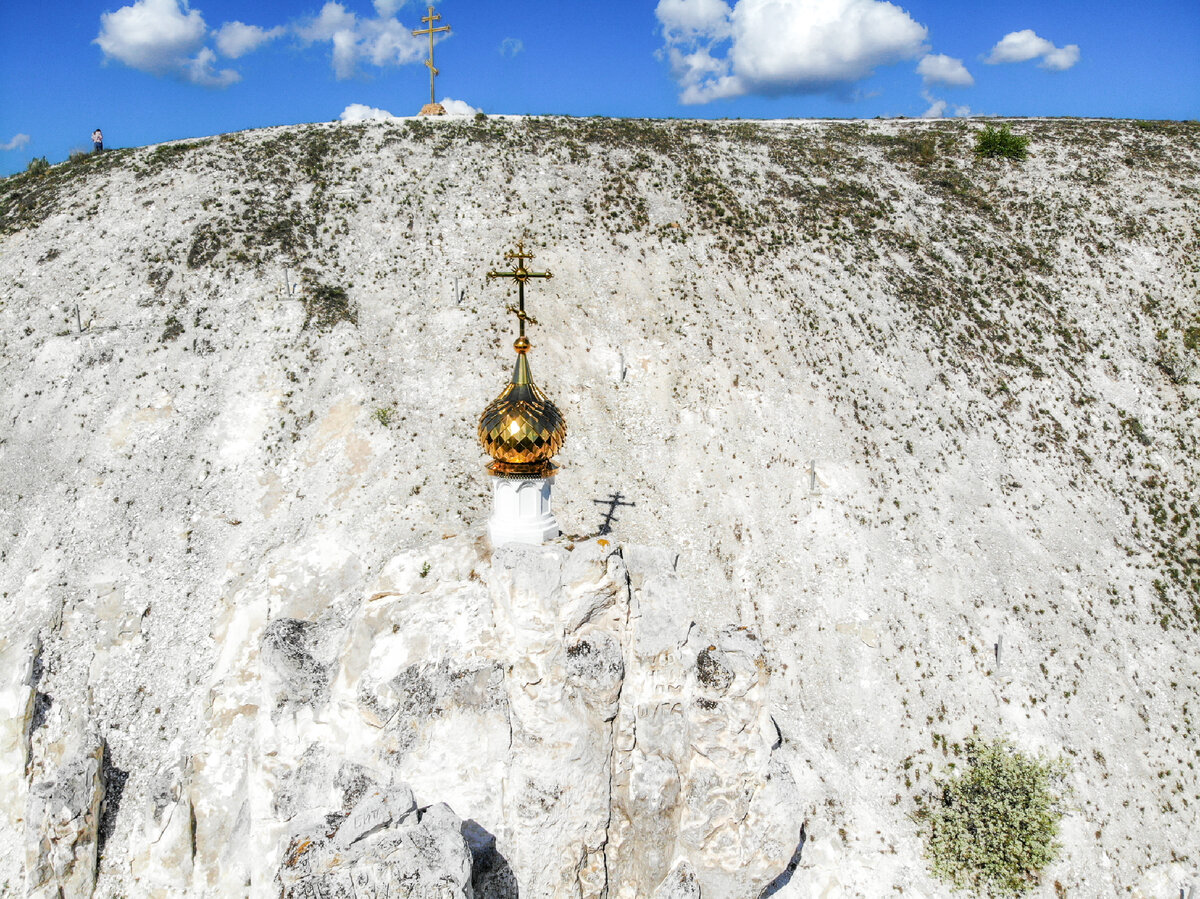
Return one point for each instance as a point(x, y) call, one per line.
point(153, 70)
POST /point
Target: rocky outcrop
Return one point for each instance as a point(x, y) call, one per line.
point(540, 721)
point(164, 841)
point(384, 846)
point(695, 779)
point(62, 827)
point(20, 665)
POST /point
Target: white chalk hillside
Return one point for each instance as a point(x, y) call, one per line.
point(921, 428)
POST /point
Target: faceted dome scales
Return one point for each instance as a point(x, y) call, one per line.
point(521, 429)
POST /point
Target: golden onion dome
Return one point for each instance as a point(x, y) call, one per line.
point(521, 429)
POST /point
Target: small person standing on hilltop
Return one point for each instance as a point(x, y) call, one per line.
point(97, 141)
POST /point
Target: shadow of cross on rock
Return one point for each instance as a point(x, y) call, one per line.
point(614, 500)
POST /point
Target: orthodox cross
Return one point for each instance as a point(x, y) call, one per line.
point(431, 31)
point(520, 274)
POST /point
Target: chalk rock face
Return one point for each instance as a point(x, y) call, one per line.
point(694, 778)
point(18, 701)
point(61, 828)
point(385, 846)
point(540, 721)
point(925, 423)
point(681, 883)
point(161, 860)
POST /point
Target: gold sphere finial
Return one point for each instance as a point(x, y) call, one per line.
point(522, 344)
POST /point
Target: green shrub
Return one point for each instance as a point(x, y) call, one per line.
point(992, 143)
point(992, 826)
point(38, 166)
point(1138, 430)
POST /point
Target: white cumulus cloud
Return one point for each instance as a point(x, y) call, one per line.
point(937, 108)
point(163, 38)
point(152, 35)
point(692, 18)
point(388, 8)
point(511, 46)
point(332, 18)
point(381, 41)
point(1022, 46)
point(201, 69)
point(168, 37)
point(938, 68)
point(458, 107)
point(387, 42)
point(1061, 58)
point(360, 112)
point(782, 46)
point(18, 141)
point(236, 39)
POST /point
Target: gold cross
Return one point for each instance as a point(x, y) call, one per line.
point(431, 31)
point(520, 274)
point(520, 255)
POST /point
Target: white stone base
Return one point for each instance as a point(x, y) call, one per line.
point(521, 511)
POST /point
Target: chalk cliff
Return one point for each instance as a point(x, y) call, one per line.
point(901, 446)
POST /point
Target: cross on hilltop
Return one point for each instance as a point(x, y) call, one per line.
point(431, 31)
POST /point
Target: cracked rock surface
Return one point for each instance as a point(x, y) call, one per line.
point(62, 827)
point(516, 725)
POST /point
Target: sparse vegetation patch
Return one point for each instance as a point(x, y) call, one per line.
point(172, 329)
point(325, 305)
point(206, 244)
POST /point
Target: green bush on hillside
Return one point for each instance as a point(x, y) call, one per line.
point(992, 826)
point(992, 143)
point(38, 166)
